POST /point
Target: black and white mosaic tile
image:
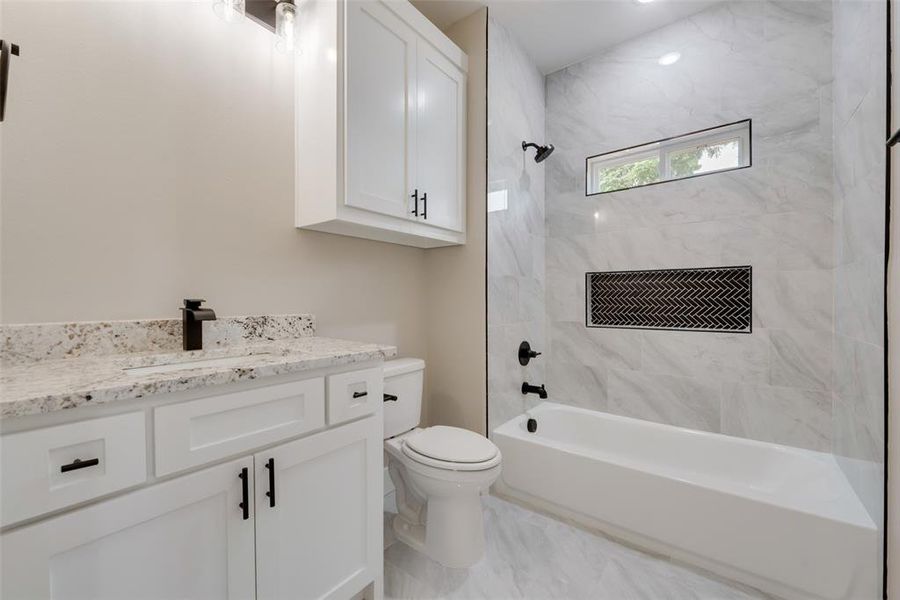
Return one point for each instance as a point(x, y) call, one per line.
point(702, 299)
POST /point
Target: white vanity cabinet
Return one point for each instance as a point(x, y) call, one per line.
point(254, 515)
point(184, 538)
point(381, 119)
point(319, 534)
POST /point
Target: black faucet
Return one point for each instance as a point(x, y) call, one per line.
point(533, 389)
point(191, 323)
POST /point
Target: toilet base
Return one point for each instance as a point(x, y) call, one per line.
point(453, 534)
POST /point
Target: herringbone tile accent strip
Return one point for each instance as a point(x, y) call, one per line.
point(708, 299)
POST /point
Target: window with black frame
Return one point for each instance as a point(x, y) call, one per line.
point(704, 152)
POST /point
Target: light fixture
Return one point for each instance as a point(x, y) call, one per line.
point(643, 1)
point(278, 16)
point(229, 10)
point(285, 25)
point(669, 58)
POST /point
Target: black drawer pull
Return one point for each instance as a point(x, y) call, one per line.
point(270, 465)
point(415, 197)
point(245, 493)
point(390, 398)
point(79, 464)
point(360, 394)
point(425, 205)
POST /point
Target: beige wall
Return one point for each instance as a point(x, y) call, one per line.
point(455, 276)
point(148, 156)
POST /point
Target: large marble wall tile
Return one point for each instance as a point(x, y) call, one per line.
point(789, 299)
point(858, 432)
point(778, 414)
point(673, 247)
point(858, 67)
point(800, 358)
point(565, 295)
point(858, 369)
point(682, 401)
point(577, 384)
point(719, 356)
point(859, 301)
point(795, 240)
point(611, 348)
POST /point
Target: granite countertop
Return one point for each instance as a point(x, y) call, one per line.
point(36, 387)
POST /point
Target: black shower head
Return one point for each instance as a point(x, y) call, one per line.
point(542, 151)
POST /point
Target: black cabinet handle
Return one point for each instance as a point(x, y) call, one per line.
point(79, 464)
point(245, 493)
point(390, 398)
point(425, 205)
point(415, 197)
point(6, 49)
point(360, 394)
point(270, 465)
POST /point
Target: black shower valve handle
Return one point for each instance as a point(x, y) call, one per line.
point(526, 353)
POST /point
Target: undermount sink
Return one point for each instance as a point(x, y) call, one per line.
point(225, 361)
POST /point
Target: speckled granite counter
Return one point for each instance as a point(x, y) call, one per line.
point(101, 356)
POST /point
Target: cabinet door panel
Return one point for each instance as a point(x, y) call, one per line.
point(440, 119)
point(380, 115)
point(183, 538)
point(322, 539)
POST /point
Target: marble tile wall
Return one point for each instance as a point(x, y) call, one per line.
point(859, 195)
point(516, 112)
point(768, 61)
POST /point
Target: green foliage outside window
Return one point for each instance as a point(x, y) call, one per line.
point(630, 175)
point(681, 164)
point(687, 162)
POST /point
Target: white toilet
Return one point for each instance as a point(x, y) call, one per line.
point(439, 473)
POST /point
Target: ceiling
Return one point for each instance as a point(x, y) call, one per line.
point(558, 33)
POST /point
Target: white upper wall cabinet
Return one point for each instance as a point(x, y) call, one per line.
point(380, 116)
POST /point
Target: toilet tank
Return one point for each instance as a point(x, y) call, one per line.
point(403, 378)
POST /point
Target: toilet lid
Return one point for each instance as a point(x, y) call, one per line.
point(452, 444)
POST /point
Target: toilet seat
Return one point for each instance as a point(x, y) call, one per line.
point(451, 449)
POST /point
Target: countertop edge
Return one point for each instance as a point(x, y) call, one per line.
point(186, 381)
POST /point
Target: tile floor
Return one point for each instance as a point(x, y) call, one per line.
point(535, 557)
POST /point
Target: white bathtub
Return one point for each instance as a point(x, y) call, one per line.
point(782, 519)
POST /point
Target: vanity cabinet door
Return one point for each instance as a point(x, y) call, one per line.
point(319, 535)
point(440, 139)
point(381, 55)
point(184, 538)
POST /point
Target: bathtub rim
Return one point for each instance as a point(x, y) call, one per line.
point(860, 517)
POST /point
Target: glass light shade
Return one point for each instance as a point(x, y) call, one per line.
point(286, 25)
point(229, 10)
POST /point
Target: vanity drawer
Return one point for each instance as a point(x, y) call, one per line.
point(201, 431)
point(355, 394)
point(48, 469)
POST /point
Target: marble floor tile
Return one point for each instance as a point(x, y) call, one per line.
point(532, 556)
